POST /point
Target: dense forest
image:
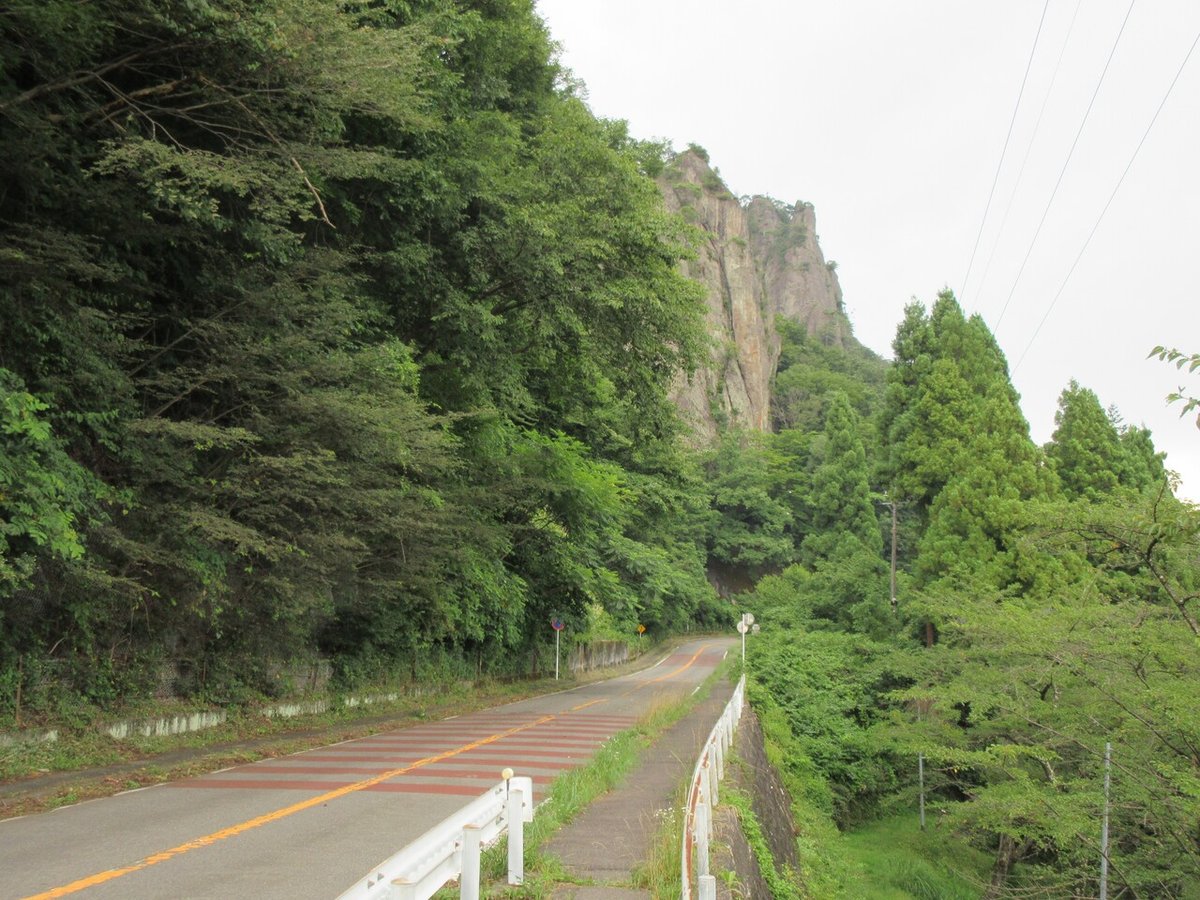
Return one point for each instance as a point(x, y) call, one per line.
point(1045, 607)
point(338, 331)
point(347, 332)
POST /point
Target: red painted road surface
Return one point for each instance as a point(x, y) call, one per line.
point(309, 825)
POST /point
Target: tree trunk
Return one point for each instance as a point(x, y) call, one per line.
point(1006, 855)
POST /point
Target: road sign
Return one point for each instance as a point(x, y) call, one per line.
point(556, 623)
point(742, 627)
point(641, 629)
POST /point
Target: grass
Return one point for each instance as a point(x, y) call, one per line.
point(892, 859)
point(659, 872)
point(782, 886)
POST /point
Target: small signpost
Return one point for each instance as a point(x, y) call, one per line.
point(557, 624)
point(744, 625)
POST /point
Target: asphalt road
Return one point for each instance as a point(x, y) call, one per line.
point(309, 825)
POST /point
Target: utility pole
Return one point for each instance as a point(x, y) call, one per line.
point(893, 557)
point(1104, 824)
point(921, 779)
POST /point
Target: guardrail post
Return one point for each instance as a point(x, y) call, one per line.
point(703, 823)
point(470, 863)
point(402, 889)
point(714, 778)
point(516, 835)
point(708, 887)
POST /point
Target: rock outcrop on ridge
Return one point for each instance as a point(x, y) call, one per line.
point(758, 260)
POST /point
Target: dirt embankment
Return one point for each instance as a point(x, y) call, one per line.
point(754, 776)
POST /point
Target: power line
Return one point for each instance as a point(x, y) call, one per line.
point(1004, 149)
point(1036, 128)
point(1100, 218)
point(1066, 163)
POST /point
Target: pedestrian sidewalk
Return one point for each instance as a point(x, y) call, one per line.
point(613, 836)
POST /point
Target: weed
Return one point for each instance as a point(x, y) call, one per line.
point(659, 872)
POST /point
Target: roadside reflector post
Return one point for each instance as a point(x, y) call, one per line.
point(470, 863)
point(516, 832)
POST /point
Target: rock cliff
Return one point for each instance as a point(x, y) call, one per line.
point(758, 260)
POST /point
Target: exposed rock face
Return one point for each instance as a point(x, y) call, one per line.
point(757, 261)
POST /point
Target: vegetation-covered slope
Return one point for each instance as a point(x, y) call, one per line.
point(326, 329)
point(1046, 609)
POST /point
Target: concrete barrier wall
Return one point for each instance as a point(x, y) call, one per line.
point(29, 736)
point(583, 658)
point(598, 655)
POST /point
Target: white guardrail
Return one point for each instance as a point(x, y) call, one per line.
point(702, 798)
point(451, 849)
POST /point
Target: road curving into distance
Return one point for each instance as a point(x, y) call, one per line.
point(309, 825)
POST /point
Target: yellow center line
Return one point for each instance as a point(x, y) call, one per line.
point(589, 703)
point(687, 665)
point(267, 818)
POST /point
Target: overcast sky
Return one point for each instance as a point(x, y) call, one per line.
point(890, 117)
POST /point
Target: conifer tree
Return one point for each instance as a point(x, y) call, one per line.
point(1085, 449)
point(848, 584)
point(841, 491)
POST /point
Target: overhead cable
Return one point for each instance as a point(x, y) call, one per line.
point(1063, 171)
point(1032, 140)
point(1004, 150)
point(1100, 218)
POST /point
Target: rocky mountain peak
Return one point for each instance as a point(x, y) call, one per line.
point(758, 259)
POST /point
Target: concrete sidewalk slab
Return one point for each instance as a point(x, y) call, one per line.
point(612, 837)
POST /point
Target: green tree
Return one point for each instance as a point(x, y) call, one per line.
point(43, 493)
point(1143, 462)
point(841, 493)
point(1027, 688)
point(357, 316)
point(750, 525)
point(1085, 449)
point(1181, 360)
point(843, 547)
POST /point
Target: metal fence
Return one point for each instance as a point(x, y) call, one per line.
point(451, 849)
point(702, 798)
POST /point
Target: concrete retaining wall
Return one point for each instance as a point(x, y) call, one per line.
point(31, 736)
point(598, 655)
point(161, 727)
point(581, 659)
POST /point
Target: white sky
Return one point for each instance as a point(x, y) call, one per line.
point(890, 118)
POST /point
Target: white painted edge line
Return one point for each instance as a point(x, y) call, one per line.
point(138, 790)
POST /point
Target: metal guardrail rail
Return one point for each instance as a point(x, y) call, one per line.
point(702, 797)
point(451, 848)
